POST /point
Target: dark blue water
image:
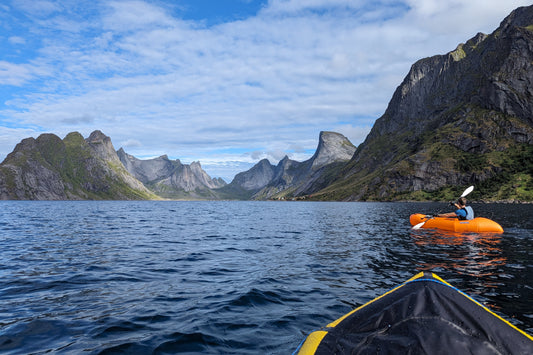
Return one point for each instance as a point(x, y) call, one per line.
point(231, 277)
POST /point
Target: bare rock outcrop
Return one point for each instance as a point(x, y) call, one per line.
point(48, 168)
point(449, 119)
point(170, 178)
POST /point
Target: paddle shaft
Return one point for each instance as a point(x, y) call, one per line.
point(466, 192)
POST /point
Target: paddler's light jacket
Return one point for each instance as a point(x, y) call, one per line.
point(466, 212)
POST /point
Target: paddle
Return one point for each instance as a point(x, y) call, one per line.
point(466, 192)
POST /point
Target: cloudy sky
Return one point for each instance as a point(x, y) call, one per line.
point(223, 82)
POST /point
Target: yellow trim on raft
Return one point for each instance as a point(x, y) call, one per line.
point(482, 306)
point(312, 342)
point(440, 279)
point(497, 316)
point(314, 339)
point(336, 322)
point(479, 304)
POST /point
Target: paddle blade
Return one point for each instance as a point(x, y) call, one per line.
point(467, 191)
point(419, 225)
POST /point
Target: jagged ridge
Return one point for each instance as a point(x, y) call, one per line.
point(291, 178)
point(48, 168)
point(170, 178)
point(451, 120)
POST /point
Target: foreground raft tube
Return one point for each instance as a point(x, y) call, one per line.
point(476, 225)
point(424, 315)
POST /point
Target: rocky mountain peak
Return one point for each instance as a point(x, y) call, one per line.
point(48, 168)
point(171, 178)
point(476, 40)
point(520, 17)
point(284, 160)
point(148, 170)
point(332, 147)
point(26, 144)
point(294, 178)
point(102, 145)
point(450, 118)
point(98, 136)
point(255, 178)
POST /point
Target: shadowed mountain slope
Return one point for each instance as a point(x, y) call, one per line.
point(457, 119)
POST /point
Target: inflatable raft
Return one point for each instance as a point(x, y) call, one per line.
point(424, 315)
point(476, 225)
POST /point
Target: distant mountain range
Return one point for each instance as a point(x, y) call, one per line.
point(48, 168)
point(290, 179)
point(463, 118)
point(170, 178)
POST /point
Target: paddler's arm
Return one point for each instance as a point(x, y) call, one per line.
point(450, 214)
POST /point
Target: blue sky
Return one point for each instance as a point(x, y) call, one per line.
point(223, 82)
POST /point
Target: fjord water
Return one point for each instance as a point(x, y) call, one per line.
point(232, 277)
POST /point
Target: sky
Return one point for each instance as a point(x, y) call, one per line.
point(223, 82)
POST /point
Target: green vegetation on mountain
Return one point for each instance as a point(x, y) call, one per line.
point(292, 179)
point(48, 168)
point(485, 155)
point(460, 119)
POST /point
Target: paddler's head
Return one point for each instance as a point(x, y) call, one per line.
point(461, 201)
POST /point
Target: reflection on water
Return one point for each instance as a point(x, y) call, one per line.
point(232, 277)
point(471, 254)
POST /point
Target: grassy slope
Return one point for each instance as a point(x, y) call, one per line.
point(84, 176)
point(503, 172)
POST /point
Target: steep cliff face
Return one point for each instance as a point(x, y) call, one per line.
point(146, 170)
point(48, 168)
point(257, 177)
point(451, 120)
point(25, 173)
point(295, 179)
point(291, 178)
point(332, 148)
point(170, 178)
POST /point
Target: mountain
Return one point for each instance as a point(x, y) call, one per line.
point(457, 119)
point(296, 179)
point(48, 168)
point(291, 178)
point(257, 177)
point(170, 178)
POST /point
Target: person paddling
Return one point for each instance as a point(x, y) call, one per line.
point(463, 211)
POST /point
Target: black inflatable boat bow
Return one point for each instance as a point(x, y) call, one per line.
point(424, 315)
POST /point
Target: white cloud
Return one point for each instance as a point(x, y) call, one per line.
point(16, 40)
point(131, 143)
point(161, 85)
point(10, 137)
point(38, 8)
point(458, 16)
point(135, 15)
point(356, 134)
point(15, 74)
point(296, 7)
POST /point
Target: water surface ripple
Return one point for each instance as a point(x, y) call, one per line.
point(231, 277)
